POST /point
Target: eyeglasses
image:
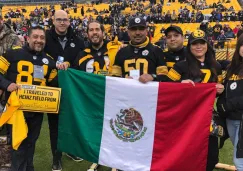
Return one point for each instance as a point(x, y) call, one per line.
point(59, 20)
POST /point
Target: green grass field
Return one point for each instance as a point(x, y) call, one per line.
point(43, 155)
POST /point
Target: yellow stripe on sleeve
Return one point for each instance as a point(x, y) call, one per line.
point(84, 58)
point(52, 75)
point(4, 64)
point(174, 75)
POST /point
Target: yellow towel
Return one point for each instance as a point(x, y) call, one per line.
point(113, 47)
point(15, 117)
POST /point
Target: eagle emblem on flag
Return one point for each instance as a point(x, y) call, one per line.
point(128, 125)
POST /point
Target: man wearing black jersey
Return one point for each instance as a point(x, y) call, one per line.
point(176, 51)
point(98, 57)
point(28, 65)
point(140, 59)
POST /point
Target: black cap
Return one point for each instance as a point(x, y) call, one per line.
point(137, 22)
point(197, 35)
point(173, 28)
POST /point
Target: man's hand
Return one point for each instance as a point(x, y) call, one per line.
point(12, 87)
point(62, 66)
point(188, 81)
point(145, 78)
point(219, 88)
point(122, 46)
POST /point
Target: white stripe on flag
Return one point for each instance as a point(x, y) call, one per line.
point(125, 94)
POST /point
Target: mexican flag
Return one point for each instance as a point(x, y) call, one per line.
point(124, 124)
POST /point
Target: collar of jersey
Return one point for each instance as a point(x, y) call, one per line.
point(27, 47)
point(142, 45)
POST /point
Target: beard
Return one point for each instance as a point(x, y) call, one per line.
point(38, 47)
point(97, 44)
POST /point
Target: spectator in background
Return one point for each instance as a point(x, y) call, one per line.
point(221, 39)
point(204, 26)
point(82, 10)
point(236, 29)
point(8, 37)
point(219, 16)
point(229, 33)
point(199, 17)
point(216, 30)
point(240, 15)
point(226, 26)
point(233, 16)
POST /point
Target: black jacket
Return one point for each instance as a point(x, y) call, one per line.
point(73, 45)
point(173, 57)
point(146, 58)
point(230, 105)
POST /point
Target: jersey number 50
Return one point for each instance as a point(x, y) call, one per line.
point(128, 65)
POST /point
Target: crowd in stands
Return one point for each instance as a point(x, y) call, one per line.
point(118, 21)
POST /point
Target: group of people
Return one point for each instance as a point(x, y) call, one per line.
point(37, 62)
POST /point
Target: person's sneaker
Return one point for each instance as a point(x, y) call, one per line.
point(57, 165)
point(74, 158)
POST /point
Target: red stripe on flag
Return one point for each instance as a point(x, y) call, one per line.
point(182, 127)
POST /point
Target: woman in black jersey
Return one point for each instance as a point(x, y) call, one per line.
point(230, 103)
point(200, 66)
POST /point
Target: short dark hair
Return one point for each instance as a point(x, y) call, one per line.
point(35, 28)
point(95, 21)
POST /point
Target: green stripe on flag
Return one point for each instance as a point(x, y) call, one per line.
point(81, 113)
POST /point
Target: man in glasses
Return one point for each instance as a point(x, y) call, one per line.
point(63, 45)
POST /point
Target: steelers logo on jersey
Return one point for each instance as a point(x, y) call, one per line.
point(233, 86)
point(145, 52)
point(90, 66)
point(198, 34)
point(45, 61)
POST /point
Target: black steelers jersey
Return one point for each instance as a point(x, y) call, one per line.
point(173, 57)
point(23, 66)
point(180, 72)
point(148, 59)
point(95, 61)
